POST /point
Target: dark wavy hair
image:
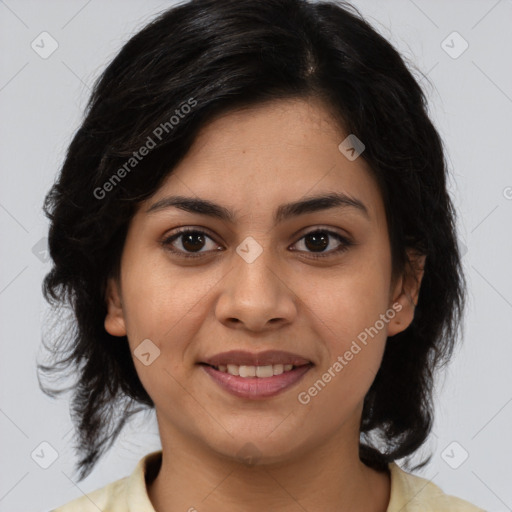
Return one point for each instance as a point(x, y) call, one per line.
point(224, 55)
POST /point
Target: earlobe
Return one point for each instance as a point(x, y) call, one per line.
point(406, 293)
point(114, 320)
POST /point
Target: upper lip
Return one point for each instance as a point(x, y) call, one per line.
point(268, 357)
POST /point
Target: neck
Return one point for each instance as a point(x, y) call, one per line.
point(328, 477)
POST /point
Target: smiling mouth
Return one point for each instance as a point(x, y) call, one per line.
point(248, 371)
point(256, 382)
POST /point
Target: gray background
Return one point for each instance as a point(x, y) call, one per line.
point(42, 100)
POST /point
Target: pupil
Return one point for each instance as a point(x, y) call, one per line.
point(320, 241)
point(189, 239)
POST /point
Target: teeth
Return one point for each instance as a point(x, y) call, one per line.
point(233, 369)
point(255, 371)
point(247, 371)
point(278, 369)
point(263, 371)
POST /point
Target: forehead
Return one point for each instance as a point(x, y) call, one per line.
point(268, 154)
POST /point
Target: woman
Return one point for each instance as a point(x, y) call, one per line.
point(253, 229)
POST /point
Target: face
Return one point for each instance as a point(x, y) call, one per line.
point(314, 281)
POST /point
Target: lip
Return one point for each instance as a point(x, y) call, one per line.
point(244, 358)
point(257, 387)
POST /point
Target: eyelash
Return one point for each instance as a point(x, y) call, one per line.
point(345, 243)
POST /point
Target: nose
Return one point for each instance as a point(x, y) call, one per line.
point(255, 297)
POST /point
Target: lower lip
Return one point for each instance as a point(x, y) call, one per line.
point(257, 387)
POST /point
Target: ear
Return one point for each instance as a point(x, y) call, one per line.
point(114, 320)
point(406, 292)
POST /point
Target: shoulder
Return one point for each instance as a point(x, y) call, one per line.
point(128, 494)
point(110, 498)
point(412, 493)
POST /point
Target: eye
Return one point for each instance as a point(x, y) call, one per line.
point(319, 239)
point(192, 241)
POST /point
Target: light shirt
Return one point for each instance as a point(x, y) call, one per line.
point(409, 493)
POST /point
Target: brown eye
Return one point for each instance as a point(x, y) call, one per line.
point(317, 241)
point(191, 241)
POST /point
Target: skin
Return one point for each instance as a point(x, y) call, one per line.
point(252, 161)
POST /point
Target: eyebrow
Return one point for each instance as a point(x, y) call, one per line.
point(284, 212)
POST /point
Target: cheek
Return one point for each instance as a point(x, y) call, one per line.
point(164, 309)
point(166, 306)
point(349, 300)
point(347, 311)
point(354, 335)
point(158, 297)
